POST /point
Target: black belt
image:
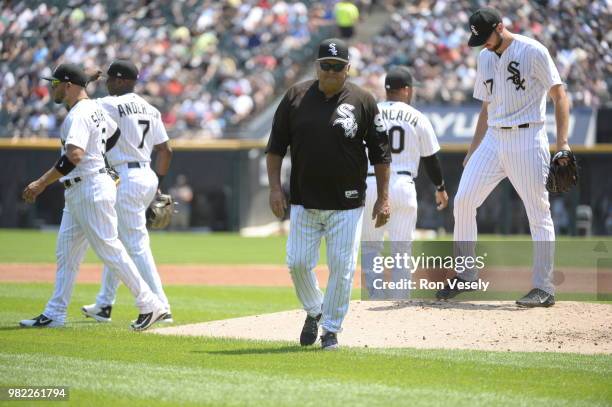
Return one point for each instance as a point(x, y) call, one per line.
point(70, 182)
point(135, 164)
point(520, 126)
point(371, 174)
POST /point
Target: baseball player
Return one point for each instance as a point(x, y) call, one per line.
point(514, 75)
point(89, 214)
point(327, 123)
point(411, 137)
point(142, 131)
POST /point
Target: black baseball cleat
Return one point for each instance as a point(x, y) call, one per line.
point(536, 298)
point(452, 291)
point(40, 321)
point(310, 331)
point(100, 314)
point(144, 321)
point(329, 341)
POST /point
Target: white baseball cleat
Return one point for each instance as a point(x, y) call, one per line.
point(40, 321)
point(100, 314)
point(144, 321)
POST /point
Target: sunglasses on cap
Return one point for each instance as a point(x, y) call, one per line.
point(326, 66)
point(55, 82)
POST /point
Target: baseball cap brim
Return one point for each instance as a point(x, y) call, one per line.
point(478, 41)
point(346, 61)
point(48, 78)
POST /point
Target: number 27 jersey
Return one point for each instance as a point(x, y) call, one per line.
point(141, 128)
point(411, 136)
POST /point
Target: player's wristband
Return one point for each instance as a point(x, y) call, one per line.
point(64, 165)
point(441, 187)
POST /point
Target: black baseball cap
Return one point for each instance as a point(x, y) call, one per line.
point(69, 73)
point(399, 77)
point(482, 24)
point(333, 48)
point(123, 69)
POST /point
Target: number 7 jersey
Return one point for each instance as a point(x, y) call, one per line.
point(141, 128)
point(411, 136)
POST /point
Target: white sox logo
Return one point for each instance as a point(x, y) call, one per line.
point(516, 75)
point(473, 30)
point(332, 49)
point(346, 119)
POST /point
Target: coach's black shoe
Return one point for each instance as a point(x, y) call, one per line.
point(536, 298)
point(451, 291)
point(329, 341)
point(310, 330)
point(40, 321)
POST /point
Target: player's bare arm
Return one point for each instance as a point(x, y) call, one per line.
point(278, 203)
point(382, 209)
point(73, 154)
point(162, 160)
point(559, 98)
point(481, 129)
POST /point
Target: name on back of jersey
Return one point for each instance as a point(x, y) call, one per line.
point(400, 115)
point(131, 108)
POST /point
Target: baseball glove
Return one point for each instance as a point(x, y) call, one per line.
point(160, 211)
point(561, 178)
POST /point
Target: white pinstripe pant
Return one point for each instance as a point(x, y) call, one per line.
point(401, 225)
point(523, 156)
point(341, 229)
point(136, 191)
point(89, 217)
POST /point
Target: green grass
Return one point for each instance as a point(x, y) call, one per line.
point(106, 364)
point(31, 246)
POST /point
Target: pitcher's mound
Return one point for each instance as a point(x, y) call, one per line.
point(496, 325)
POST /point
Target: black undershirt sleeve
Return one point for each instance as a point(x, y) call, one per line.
point(112, 140)
point(433, 169)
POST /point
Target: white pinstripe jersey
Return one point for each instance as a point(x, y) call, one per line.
point(87, 126)
point(411, 136)
point(141, 128)
point(516, 84)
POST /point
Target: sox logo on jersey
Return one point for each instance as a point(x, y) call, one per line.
point(516, 75)
point(346, 119)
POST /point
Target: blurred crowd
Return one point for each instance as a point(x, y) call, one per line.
point(430, 36)
point(208, 65)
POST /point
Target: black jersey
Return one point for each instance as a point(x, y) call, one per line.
point(328, 139)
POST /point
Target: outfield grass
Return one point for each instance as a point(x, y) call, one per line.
point(32, 246)
point(107, 365)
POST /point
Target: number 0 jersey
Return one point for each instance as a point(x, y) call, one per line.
point(141, 128)
point(411, 136)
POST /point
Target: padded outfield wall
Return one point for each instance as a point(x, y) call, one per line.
point(229, 182)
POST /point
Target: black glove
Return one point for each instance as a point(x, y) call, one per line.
point(561, 178)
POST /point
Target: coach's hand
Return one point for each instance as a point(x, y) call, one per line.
point(381, 212)
point(278, 203)
point(30, 192)
point(441, 200)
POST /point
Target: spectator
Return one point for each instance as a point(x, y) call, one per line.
point(347, 16)
point(207, 65)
